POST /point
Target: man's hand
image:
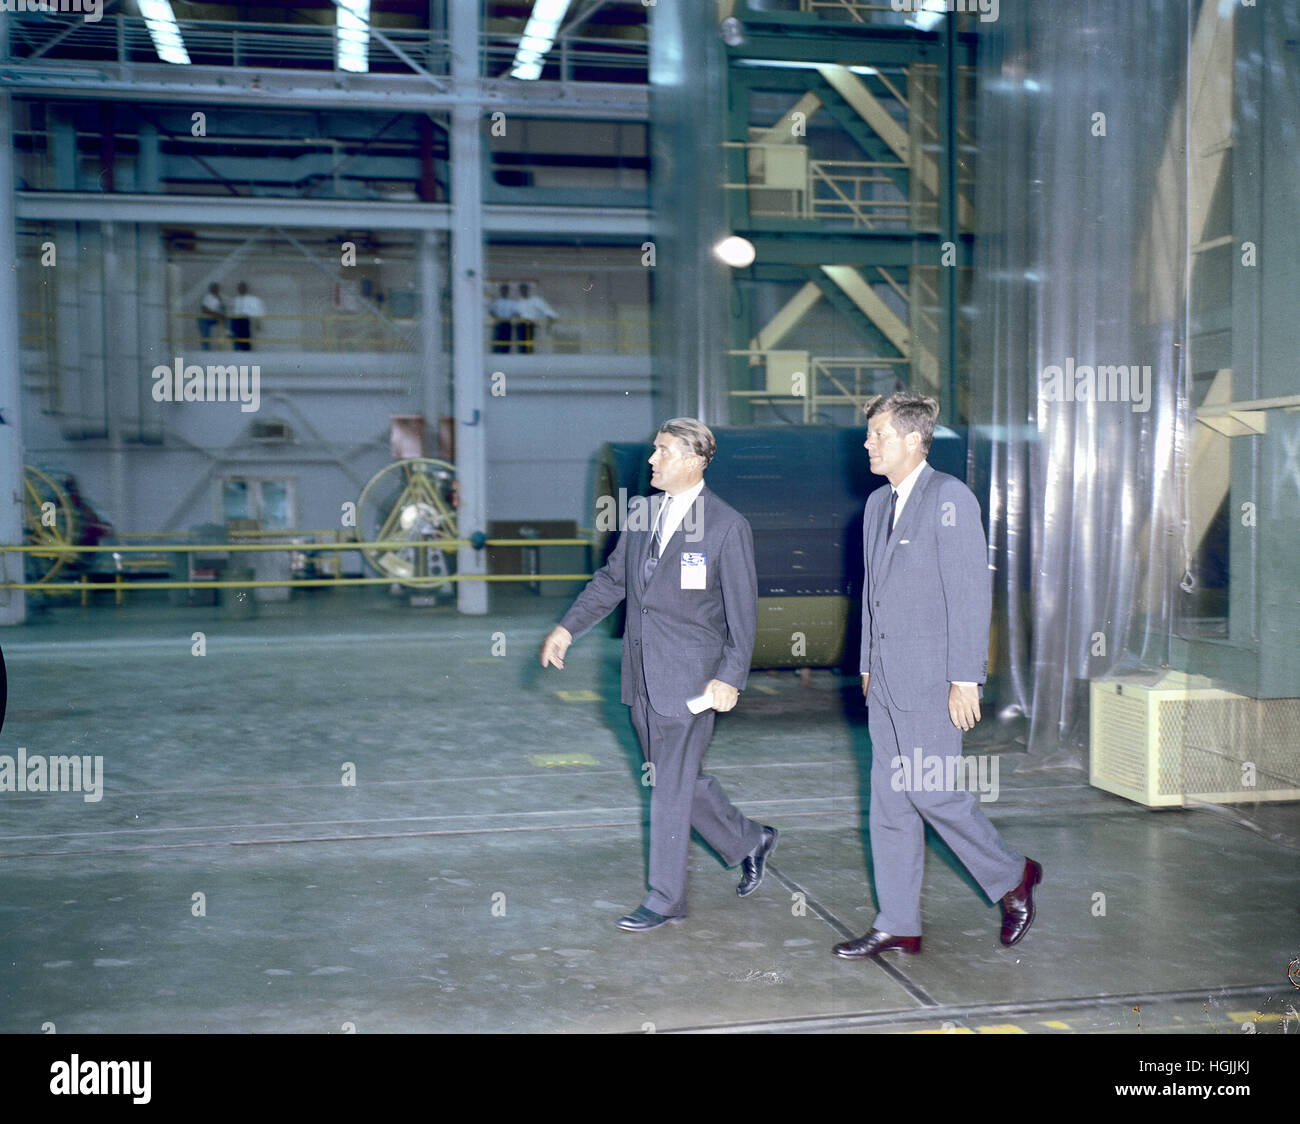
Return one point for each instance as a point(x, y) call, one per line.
point(725, 696)
point(963, 705)
point(866, 682)
point(555, 645)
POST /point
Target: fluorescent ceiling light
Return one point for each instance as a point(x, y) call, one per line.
point(930, 15)
point(353, 23)
point(538, 38)
point(166, 35)
point(797, 64)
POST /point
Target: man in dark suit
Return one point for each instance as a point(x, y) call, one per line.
point(692, 610)
point(926, 604)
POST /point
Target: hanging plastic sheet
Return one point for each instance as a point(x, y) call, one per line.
point(1080, 396)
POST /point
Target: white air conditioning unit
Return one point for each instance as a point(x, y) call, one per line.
point(1171, 739)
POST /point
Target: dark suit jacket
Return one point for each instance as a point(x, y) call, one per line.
point(927, 595)
point(676, 639)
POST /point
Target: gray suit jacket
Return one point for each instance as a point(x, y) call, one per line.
point(927, 596)
point(676, 640)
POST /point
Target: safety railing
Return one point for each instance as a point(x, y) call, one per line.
point(575, 58)
point(351, 333)
point(829, 382)
point(852, 11)
point(840, 191)
point(851, 381)
point(864, 12)
point(328, 332)
point(337, 581)
point(123, 39)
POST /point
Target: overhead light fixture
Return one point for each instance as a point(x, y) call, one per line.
point(796, 64)
point(538, 38)
point(353, 26)
point(164, 31)
point(735, 251)
point(928, 15)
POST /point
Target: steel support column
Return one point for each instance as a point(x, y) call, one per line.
point(13, 602)
point(467, 305)
point(951, 413)
point(433, 386)
point(121, 359)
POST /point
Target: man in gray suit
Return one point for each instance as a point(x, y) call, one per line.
point(926, 604)
point(692, 611)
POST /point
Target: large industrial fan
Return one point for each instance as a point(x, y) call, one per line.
point(49, 522)
point(411, 501)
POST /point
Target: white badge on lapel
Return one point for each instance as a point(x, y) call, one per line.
point(694, 570)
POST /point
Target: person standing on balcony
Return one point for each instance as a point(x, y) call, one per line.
point(213, 312)
point(531, 307)
point(247, 308)
point(503, 310)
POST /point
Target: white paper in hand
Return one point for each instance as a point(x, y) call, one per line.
point(700, 703)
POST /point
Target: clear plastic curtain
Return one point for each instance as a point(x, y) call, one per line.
point(1080, 262)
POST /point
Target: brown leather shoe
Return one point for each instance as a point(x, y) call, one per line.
point(873, 943)
point(1018, 905)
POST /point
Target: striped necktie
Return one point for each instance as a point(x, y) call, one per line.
point(656, 547)
point(652, 559)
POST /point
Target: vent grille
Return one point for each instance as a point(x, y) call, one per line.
point(1167, 743)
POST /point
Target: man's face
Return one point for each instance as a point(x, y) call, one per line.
point(890, 454)
point(673, 467)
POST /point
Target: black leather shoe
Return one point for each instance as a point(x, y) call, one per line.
point(755, 862)
point(875, 942)
point(641, 919)
point(1018, 905)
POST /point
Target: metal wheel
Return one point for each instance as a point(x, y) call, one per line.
point(412, 501)
point(49, 520)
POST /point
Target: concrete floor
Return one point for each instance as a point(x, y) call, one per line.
point(229, 880)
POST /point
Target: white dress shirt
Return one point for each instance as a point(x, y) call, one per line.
point(533, 307)
point(678, 506)
point(904, 490)
point(246, 305)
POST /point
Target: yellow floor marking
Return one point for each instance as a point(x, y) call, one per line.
point(579, 696)
point(1002, 1028)
point(1056, 1024)
point(941, 1030)
point(1254, 1017)
point(568, 759)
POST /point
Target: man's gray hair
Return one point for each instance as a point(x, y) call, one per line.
point(696, 436)
point(913, 413)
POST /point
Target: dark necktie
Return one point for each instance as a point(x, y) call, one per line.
point(652, 560)
point(893, 507)
point(656, 546)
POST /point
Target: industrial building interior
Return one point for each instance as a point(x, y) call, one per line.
point(294, 500)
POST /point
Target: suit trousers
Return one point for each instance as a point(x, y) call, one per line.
point(900, 812)
point(683, 798)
